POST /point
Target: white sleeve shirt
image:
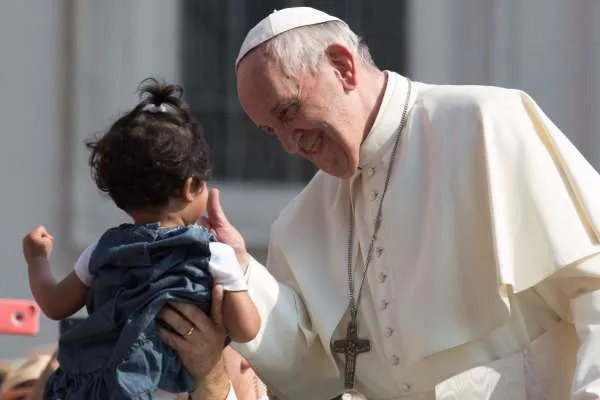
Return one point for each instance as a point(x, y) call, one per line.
point(223, 266)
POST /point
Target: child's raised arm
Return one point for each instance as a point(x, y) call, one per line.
point(57, 300)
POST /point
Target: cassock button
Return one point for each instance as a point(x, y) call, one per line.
point(405, 388)
point(382, 277)
point(374, 195)
point(379, 251)
point(395, 360)
point(372, 171)
point(389, 332)
point(384, 304)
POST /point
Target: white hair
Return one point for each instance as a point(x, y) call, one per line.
point(303, 49)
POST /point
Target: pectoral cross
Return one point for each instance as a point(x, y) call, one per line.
point(351, 347)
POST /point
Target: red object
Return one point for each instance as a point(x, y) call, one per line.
point(19, 317)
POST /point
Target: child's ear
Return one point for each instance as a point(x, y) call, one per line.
point(190, 189)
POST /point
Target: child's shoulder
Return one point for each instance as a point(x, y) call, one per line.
point(117, 230)
point(201, 233)
point(152, 235)
point(222, 252)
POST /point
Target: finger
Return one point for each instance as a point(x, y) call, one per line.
point(193, 314)
point(216, 311)
point(215, 211)
point(204, 221)
point(41, 231)
point(172, 340)
point(183, 345)
point(170, 316)
point(34, 233)
point(187, 315)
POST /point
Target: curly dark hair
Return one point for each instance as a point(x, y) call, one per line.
point(146, 156)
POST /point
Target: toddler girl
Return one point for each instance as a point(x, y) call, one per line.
point(153, 163)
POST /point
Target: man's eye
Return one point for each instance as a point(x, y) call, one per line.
point(290, 112)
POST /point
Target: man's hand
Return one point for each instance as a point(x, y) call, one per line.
point(218, 224)
point(37, 244)
point(199, 341)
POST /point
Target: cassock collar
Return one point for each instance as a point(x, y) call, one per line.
point(387, 121)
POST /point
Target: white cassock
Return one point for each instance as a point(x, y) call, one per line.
point(485, 276)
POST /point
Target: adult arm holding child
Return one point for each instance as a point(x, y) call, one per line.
point(201, 351)
point(287, 350)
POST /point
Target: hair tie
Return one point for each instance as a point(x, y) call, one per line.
point(153, 108)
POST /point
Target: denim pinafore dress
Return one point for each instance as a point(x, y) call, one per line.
point(116, 353)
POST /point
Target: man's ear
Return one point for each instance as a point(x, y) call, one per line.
point(344, 63)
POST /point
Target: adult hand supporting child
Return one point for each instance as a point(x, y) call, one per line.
point(199, 341)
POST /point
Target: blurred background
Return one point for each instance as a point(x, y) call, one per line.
point(68, 68)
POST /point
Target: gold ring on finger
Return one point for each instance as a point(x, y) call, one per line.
point(189, 332)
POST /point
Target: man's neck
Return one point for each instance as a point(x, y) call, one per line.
point(380, 79)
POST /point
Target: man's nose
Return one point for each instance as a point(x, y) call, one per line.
point(288, 141)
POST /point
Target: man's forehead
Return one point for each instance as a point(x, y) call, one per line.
point(253, 65)
point(263, 78)
point(257, 95)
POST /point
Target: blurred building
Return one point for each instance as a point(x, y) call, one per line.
point(70, 67)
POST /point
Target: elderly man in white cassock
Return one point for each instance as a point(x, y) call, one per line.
point(448, 248)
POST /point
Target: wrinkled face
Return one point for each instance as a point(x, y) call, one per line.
point(316, 116)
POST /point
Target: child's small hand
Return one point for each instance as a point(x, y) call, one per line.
point(37, 243)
